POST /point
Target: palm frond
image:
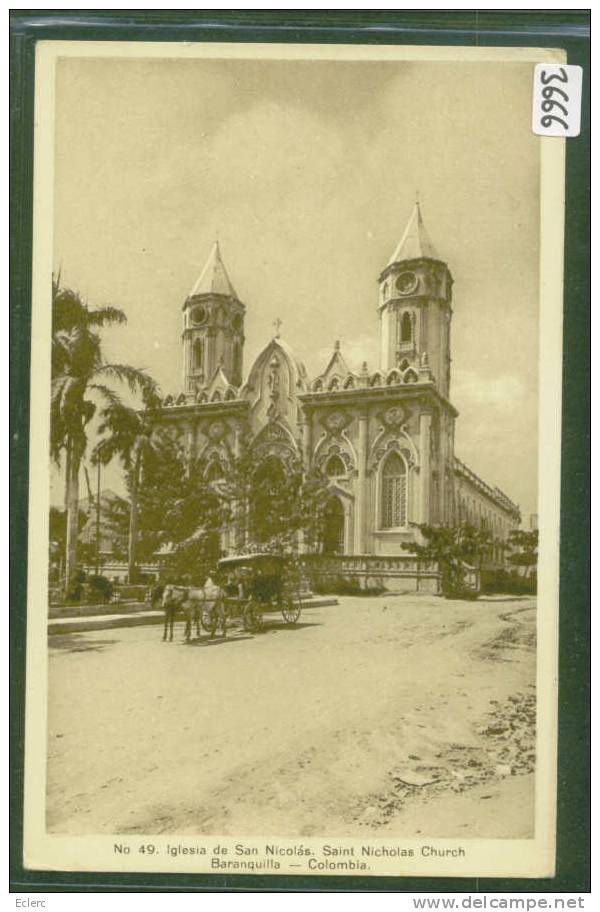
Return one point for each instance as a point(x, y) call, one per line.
point(121, 429)
point(137, 380)
point(107, 449)
point(105, 316)
point(69, 310)
point(106, 393)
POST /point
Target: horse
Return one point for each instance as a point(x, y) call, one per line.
point(197, 603)
point(212, 611)
point(173, 598)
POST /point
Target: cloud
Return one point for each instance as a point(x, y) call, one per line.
point(504, 391)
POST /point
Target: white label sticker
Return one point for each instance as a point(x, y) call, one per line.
point(556, 100)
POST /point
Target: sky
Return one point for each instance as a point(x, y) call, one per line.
point(306, 172)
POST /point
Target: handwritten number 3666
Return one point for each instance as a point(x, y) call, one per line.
point(550, 103)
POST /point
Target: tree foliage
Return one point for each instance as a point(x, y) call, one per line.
point(187, 507)
point(179, 512)
point(452, 548)
point(81, 381)
point(130, 435)
point(524, 547)
point(274, 506)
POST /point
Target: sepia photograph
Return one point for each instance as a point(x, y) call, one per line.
point(296, 354)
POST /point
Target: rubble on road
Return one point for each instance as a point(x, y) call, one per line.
point(506, 747)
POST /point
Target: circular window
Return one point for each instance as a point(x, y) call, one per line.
point(198, 315)
point(237, 322)
point(406, 282)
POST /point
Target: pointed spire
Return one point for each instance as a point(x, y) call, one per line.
point(213, 278)
point(337, 363)
point(415, 242)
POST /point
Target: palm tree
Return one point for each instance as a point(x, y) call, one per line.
point(81, 378)
point(130, 435)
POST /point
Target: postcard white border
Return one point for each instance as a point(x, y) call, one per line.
point(484, 857)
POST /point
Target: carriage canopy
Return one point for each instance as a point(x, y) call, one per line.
point(261, 561)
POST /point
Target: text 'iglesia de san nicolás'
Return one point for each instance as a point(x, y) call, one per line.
point(384, 439)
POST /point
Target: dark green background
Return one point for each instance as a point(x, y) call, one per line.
point(546, 28)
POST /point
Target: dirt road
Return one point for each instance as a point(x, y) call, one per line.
point(381, 716)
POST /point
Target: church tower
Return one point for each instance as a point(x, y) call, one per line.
point(213, 328)
point(415, 306)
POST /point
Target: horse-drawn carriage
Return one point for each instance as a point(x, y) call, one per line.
point(259, 583)
point(243, 587)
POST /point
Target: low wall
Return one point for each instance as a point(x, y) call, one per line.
point(393, 573)
point(118, 571)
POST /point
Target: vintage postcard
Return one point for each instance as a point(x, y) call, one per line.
point(296, 363)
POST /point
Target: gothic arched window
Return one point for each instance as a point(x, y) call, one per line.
point(393, 492)
point(198, 351)
point(406, 328)
point(335, 466)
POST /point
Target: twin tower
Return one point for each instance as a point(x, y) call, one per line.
point(415, 311)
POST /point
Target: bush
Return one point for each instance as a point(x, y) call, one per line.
point(75, 589)
point(507, 583)
point(464, 593)
point(342, 585)
point(99, 587)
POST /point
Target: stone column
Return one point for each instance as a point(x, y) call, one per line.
point(442, 454)
point(210, 358)
point(306, 421)
point(190, 441)
point(237, 536)
point(305, 425)
point(186, 360)
point(425, 468)
point(384, 328)
point(237, 434)
point(360, 501)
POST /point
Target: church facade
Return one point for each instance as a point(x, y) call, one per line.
point(383, 438)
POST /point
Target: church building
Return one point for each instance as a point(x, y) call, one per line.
point(383, 437)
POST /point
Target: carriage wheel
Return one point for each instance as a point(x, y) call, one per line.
point(252, 617)
point(291, 609)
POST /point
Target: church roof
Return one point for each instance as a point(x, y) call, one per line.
point(275, 345)
point(213, 278)
point(219, 387)
point(278, 342)
point(415, 242)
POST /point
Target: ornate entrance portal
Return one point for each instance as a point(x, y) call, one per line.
point(333, 534)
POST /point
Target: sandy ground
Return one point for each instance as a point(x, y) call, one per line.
point(381, 716)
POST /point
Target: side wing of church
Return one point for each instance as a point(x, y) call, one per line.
point(383, 438)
